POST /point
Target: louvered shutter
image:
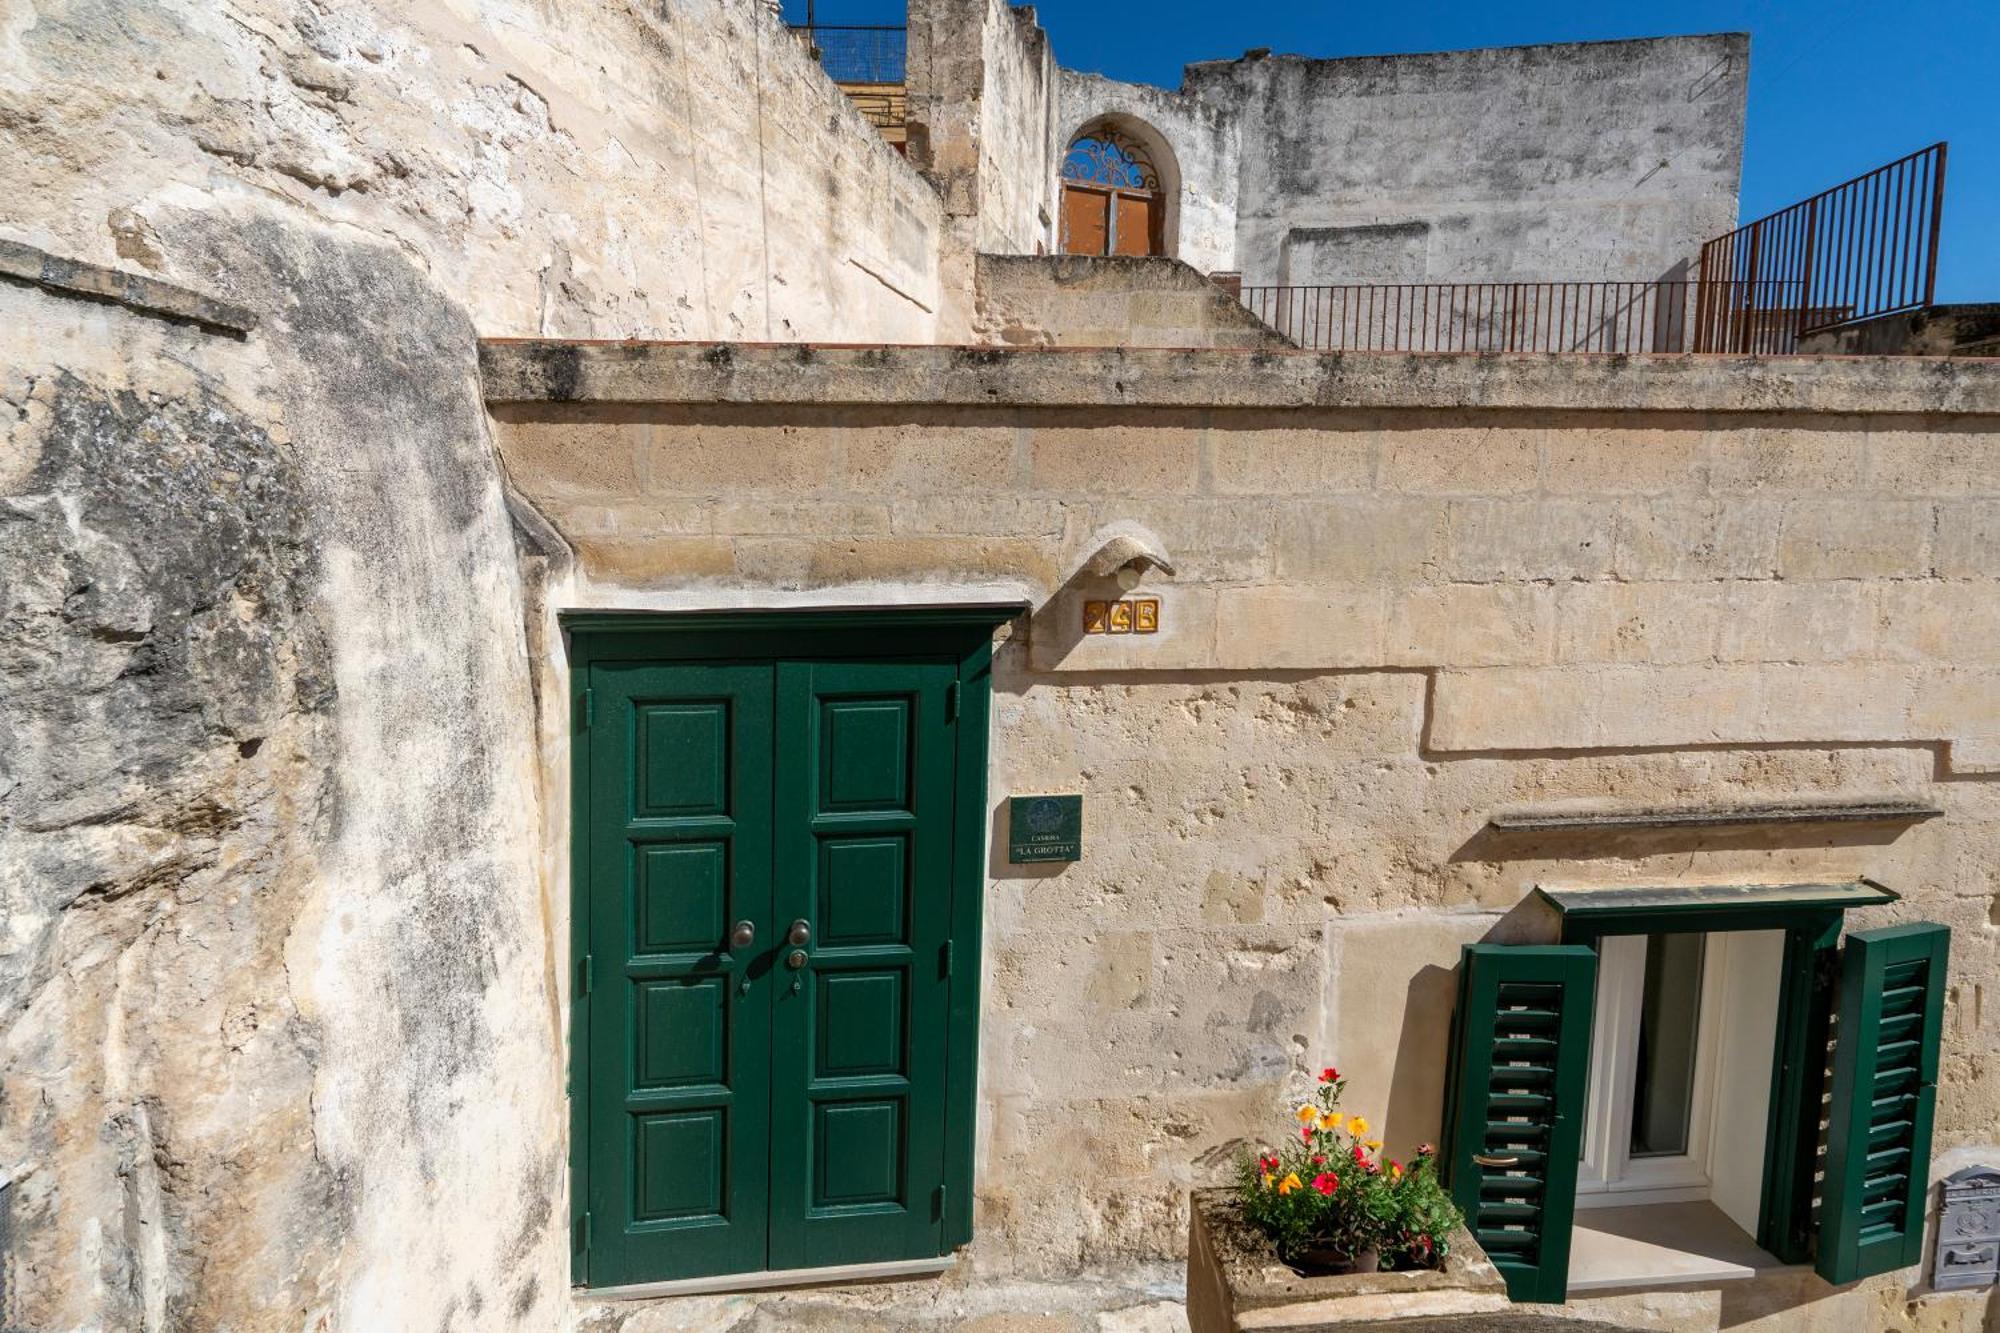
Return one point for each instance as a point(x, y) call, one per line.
point(1885, 1061)
point(1517, 1105)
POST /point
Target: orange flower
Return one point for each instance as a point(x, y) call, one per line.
point(1289, 1183)
point(1324, 1182)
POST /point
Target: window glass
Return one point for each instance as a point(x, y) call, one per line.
point(1669, 1022)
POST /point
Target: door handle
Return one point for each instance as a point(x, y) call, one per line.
point(796, 959)
point(800, 934)
point(1483, 1160)
point(743, 935)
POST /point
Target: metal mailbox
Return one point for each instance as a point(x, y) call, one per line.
point(1968, 1234)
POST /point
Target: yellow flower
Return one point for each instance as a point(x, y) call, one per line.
point(1267, 1180)
point(1358, 1126)
point(1308, 1113)
point(1330, 1119)
point(1289, 1183)
point(1374, 1145)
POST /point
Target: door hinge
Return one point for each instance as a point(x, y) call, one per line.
point(583, 1232)
point(944, 959)
point(937, 1202)
point(587, 709)
point(583, 976)
point(951, 702)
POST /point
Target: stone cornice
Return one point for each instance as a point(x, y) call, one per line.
point(536, 370)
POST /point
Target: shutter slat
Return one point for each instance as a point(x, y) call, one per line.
point(1883, 1095)
point(1521, 1041)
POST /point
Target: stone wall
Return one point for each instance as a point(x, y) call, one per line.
point(1130, 301)
point(284, 1045)
point(1534, 163)
point(1411, 593)
point(1197, 146)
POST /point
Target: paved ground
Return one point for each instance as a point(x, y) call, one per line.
point(1145, 1301)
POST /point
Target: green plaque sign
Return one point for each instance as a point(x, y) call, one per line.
point(1044, 828)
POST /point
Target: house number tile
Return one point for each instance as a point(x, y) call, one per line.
point(1128, 615)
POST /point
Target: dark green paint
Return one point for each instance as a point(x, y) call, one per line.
point(1798, 1078)
point(1885, 1065)
point(729, 1113)
point(1044, 828)
point(1661, 910)
point(1516, 1097)
point(1810, 916)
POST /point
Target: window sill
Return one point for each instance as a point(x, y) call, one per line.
point(1661, 1245)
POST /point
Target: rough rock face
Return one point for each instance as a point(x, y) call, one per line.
point(165, 692)
point(275, 959)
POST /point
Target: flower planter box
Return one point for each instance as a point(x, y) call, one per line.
point(1236, 1281)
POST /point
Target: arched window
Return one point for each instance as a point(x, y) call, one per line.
point(1112, 202)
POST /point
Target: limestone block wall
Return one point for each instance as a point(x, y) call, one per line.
point(1410, 593)
point(1534, 163)
point(1198, 144)
point(1110, 301)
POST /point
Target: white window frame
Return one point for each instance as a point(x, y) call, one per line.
point(1608, 1175)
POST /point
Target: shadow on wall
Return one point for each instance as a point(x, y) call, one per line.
point(1595, 844)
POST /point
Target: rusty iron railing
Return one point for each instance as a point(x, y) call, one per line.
point(1866, 247)
point(858, 53)
point(1481, 316)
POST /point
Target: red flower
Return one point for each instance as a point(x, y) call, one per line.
point(1267, 1163)
point(1426, 1150)
point(1318, 1160)
point(1359, 1155)
point(1328, 1074)
point(1324, 1182)
point(1306, 1133)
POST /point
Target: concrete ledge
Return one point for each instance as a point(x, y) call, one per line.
point(527, 370)
point(73, 277)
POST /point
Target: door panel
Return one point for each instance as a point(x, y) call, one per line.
point(1086, 221)
point(679, 1083)
point(1137, 225)
point(863, 829)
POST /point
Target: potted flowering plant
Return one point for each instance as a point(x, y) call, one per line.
point(1331, 1204)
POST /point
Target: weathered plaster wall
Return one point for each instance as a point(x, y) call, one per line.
point(588, 170)
point(1592, 160)
point(1401, 582)
point(1120, 301)
point(284, 1039)
point(1202, 147)
point(1019, 149)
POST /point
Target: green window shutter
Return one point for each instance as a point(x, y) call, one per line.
point(1885, 1061)
point(1517, 1088)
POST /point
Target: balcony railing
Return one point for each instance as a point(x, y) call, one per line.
point(1864, 248)
point(858, 53)
point(1481, 316)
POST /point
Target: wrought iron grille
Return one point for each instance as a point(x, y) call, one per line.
point(857, 53)
point(1866, 247)
point(1106, 157)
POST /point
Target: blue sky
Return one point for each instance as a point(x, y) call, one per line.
point(1836, 86)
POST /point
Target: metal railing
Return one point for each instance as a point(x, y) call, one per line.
point(858, 53)
point(1481, 316)
point(1866, 247)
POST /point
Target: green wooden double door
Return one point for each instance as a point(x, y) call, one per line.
point(769, 1039)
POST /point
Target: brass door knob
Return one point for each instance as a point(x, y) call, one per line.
point(743, 935)
point(800, 932)
point(796, 959)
